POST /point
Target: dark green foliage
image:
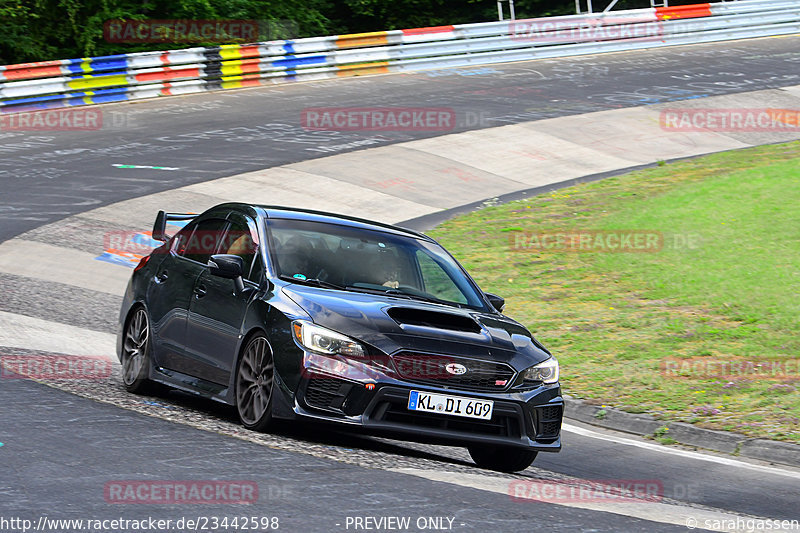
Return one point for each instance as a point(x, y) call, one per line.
point(38, 30)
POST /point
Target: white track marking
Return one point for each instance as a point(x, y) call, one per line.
point(19, 331)
point(46, 262)
point(688, 454)
point(665, 513)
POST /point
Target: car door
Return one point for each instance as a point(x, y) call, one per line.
point(170, 293)
point(217, 309)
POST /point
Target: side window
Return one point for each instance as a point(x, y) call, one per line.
point(181, 239)
point(257, 272)
point(239, 240)
point(437, 282)
point(204, 240)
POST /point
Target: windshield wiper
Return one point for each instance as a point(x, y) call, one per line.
point(402, 294)
point(313, 281)
point(415, 296)
point(369, 290)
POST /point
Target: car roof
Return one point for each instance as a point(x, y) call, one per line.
point(292, 213)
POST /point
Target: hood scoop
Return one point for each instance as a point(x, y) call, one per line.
point(406, 316)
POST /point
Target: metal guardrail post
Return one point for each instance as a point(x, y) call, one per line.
point(609, 7)
point(510, 9)
point(579, 7)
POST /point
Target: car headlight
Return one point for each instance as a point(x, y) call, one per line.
point(544, 372)
point(323, 340)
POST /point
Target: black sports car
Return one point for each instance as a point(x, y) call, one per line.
point(289, 313)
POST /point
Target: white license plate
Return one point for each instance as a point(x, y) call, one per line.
point(450, 405)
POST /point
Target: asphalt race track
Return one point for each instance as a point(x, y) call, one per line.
point(47, 175)
point(59, 450)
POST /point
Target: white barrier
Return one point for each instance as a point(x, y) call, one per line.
point(150, 74)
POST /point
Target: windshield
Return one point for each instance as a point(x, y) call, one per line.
point(362, 260)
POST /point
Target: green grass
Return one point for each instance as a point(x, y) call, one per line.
point(725, 287)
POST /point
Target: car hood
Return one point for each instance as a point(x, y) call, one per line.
point(397, 324)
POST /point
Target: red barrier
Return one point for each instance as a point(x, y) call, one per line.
point(169, 74)
point(684, 12)
point(24, 71)
point(431, 29)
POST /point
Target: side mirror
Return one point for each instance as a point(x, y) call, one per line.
point(496, 301)
point(229, 267)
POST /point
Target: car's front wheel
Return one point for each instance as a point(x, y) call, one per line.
point(500, 458)
point(255, 375)
point(136, 353)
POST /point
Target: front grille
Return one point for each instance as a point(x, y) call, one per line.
point(430, 369)
point(326, 393)
point(548, 421)
point(505, 422)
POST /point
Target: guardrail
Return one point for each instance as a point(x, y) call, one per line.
point(94, 80)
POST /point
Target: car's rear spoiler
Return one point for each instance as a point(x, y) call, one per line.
point(160, 226)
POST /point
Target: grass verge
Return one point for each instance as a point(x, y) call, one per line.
point(700, 327)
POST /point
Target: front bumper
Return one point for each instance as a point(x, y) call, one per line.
point(377, 402)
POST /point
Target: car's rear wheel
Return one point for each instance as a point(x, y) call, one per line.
point(500, 458)
point(136, 353)
point(255, 375)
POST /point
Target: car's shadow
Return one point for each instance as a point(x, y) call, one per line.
point(306, 431)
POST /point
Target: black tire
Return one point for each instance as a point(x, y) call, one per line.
point(255, 377)
point(502, 459)
point(136, 348)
